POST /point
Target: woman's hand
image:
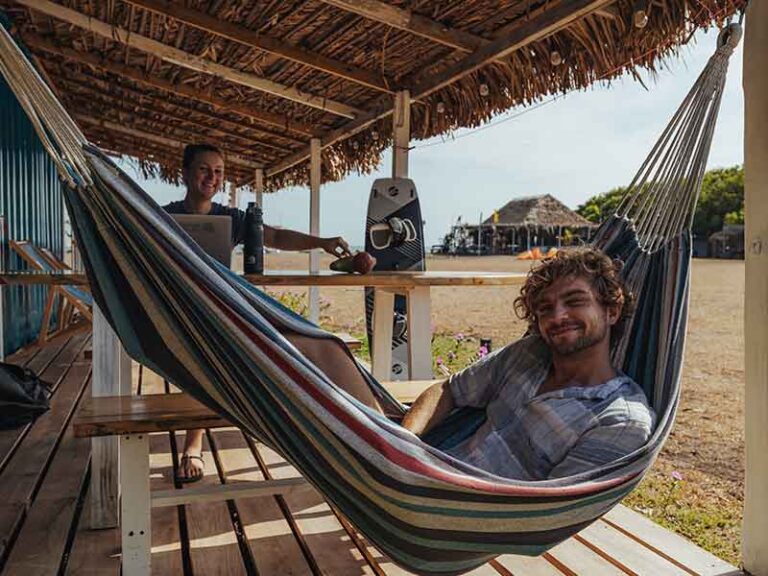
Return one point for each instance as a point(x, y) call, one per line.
point(336, 246)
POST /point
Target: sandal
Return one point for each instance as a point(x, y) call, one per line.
point(197, 474)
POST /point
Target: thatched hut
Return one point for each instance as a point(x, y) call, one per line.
point(521, 224)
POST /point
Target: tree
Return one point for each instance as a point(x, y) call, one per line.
point(600, 207)
point(721, 202)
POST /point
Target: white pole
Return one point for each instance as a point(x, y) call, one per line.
point(755, 529)
point(401, 130)
point(314, 224)
point(232, 195)
point(258, 187)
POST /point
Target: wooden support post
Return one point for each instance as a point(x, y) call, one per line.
point(258, 187)
point(401, 130)
point(232, 195)
point(419, 334)
point(111, 377)
point(135, 522)
point(755, 529)
point(381, 354)
point(314, 224)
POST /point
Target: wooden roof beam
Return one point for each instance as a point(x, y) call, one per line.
point(544, 24)
point(410, 22)
point(138, 75)
point(109, 99)
point(248, 37)
point(162, 140)
point(184, 59)
point(160, 126)
point(124, 145)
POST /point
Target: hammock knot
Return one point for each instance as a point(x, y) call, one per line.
point(729, 38)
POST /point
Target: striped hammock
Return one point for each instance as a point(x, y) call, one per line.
point(215, 336)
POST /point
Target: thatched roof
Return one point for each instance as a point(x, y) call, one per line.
point(260, 79)
point(538, 211)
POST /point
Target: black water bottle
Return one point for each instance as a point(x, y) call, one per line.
point(253, 240)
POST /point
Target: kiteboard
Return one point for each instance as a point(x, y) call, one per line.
point(394, 235)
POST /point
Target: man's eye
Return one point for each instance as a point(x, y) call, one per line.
point(577, 302)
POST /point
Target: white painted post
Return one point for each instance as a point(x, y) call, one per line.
point(258, 187)
point(401, 130)
point(755, 528)
point(314, 224)
point(136, 506)
point(111, 376)
point(381, 355)
point(419, 333)
point(232, 195)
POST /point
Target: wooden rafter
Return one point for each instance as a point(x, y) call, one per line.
point(186, 60)
point(533, 30)
point(138, 99)
point(125, 145)
point(514, 38)
point(248, 37)
point(169, 123)
point(162, 140)
point(410, 22)
point(139, 76)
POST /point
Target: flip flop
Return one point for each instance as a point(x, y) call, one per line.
point(190, 479)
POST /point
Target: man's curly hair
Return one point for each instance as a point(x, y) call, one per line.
point(589, 263)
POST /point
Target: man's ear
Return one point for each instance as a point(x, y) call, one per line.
point(613, 312)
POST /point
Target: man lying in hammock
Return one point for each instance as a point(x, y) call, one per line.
point(584, 413)
point(203, 175)
point(550, 414)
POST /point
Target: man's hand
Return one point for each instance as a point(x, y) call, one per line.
point(336, 246)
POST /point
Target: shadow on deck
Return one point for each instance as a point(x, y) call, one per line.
point(44, 477)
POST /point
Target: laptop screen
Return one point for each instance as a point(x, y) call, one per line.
point(212, 233)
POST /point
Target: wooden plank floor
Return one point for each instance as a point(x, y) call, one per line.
point(44, 474)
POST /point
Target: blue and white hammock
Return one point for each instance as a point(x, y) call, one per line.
point(218, 338)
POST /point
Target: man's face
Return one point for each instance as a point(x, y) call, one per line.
point(205, 175)
point(571, 318)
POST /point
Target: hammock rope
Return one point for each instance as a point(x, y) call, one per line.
point(211, 333)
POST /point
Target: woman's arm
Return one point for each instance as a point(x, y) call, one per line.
point(291, 240)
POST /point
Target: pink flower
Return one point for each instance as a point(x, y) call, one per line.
point(459, 337)
point(483, 352)
point(676, 476)
point(439, 360)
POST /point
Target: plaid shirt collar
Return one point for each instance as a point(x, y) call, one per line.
point(598, 392)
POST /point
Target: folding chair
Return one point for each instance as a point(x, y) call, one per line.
point(75, 304)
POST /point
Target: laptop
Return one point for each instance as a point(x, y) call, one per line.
point(212, 233)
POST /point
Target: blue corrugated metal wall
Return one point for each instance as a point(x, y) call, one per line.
point(31, 203)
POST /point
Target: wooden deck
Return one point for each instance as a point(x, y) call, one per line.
point(44, 474)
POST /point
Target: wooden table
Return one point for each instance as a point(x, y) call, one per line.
point(415, 286)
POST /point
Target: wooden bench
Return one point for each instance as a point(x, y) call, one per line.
point(133, 418)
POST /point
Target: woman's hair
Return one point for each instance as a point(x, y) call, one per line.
point(192, 150)
point(588, 263)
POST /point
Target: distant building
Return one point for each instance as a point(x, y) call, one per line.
point(519, 225)
point(728, 243)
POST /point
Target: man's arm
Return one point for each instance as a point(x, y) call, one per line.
point(600, 446)
point(429, 409)
point(294, 241)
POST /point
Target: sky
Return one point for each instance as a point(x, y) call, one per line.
point(574, 147)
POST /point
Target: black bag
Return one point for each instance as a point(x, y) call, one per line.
point(23, 396)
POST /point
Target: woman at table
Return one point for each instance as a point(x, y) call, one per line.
point(203, 175)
